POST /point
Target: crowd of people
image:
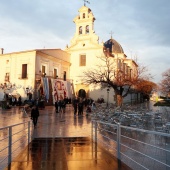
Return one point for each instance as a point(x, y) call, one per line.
point(60, 106)
point(79, 105)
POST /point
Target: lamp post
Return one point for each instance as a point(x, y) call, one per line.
point(108, 89)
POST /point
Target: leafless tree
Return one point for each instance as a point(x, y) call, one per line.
point(116, 74)
point(165, 83)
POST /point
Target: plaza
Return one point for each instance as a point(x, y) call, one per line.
point(60, 141)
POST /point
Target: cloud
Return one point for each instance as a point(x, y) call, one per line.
point(141, 27)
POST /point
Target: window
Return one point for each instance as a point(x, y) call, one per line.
point(64, 76)
point(55, 73)
point(130, 76)
point(7, 77)
point(124, 67)
point(84, 15)
point(87, 29)
point(24, 71)
point(80, 30)
point(119, 64)
point(43, 69)
point(127, 71)
point(82, 60)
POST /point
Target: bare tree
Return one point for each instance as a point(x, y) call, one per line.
point(165, 83)
point(119, 74)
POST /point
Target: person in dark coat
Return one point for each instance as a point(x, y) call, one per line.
point(80, 108)
point(56, 106)
point(35, 115)
point(59, 106)
point(75, 105)
point(63, 106)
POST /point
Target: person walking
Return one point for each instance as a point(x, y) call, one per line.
point(93, 106)
point(75, 105)
point(59, 106)
point(88, 110)
point(34, 115)
point(56, 106)
point(80, 108)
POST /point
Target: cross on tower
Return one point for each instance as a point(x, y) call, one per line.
point(111, 34)
point(85, 1)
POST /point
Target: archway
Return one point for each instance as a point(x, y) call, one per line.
point(82, 93)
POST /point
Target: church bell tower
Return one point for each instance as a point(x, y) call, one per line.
point(84, 27)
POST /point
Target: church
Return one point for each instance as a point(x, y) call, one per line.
point(57, 73)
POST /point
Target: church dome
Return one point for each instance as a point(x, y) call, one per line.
point(113, 46)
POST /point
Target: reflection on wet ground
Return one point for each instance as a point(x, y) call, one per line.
point(75, 153)
point(61, 141)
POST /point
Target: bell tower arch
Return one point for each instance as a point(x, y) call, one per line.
point(84, 23)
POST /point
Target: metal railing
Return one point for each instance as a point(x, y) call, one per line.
point(138, 148)
point(13, 139)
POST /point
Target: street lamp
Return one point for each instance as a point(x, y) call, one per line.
point(108, 89)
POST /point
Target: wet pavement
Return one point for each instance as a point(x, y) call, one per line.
point(61, 141)
point(64, 154)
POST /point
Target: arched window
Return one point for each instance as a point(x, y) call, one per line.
point(84, 15)
point(80, 30)
point(87, 29)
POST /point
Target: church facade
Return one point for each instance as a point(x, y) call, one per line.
point(85, 51)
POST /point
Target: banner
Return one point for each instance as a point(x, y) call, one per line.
point(45, 84)
point(61, 89)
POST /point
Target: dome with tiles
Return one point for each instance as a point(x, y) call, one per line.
point(113, 46)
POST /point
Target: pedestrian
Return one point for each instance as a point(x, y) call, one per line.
point(80, 108)
point(63, 106)
point(93, 106)
point(88, 110)
point(59, 106)
point(75, 105)
point(13, 100)
point(56, 106)
point(34, 115)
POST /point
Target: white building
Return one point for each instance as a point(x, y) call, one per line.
point(26, 68)
point(84, 51)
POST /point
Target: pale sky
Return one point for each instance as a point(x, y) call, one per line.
point(142, 27)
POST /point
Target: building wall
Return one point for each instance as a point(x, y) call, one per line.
point(12, 64)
